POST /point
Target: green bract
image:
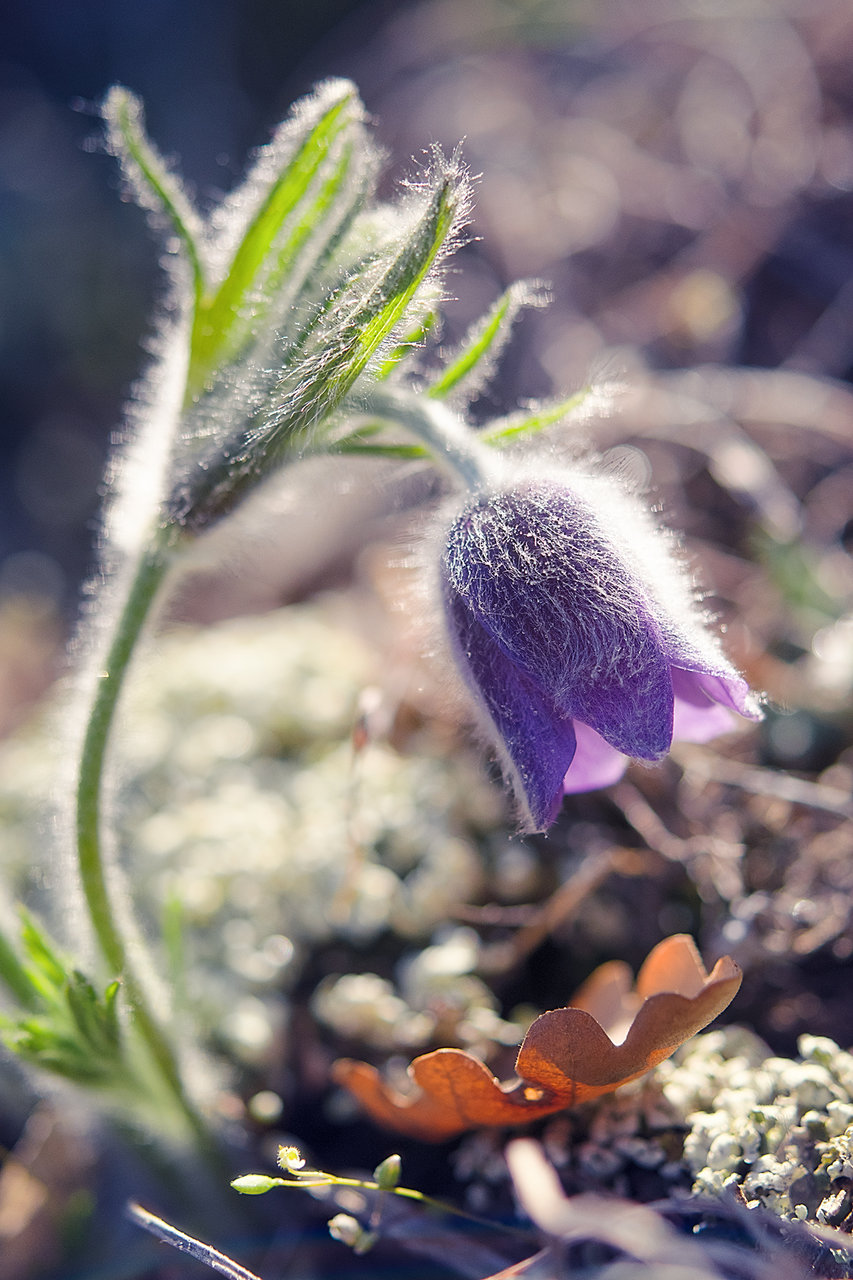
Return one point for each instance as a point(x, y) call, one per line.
point(298, 294)
point(287, 290)
point(63, 1024)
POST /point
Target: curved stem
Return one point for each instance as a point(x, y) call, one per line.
point(449, 441)
point(91, 862)
point(143, 589)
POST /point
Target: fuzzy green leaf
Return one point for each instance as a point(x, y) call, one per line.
point(336, 348)
point(298, 200)
point(15, 977)
point(94, 1020)
point(376, 316)
point(413, 338)
point(46, 968)
point(520, 426)
point(154, 185)
point(401, 452)
point(68, 1028)
point(476, 356)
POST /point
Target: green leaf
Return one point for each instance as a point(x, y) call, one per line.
point(299, 197)
point(110, 1012)
point(46, 968)
point(95, 1021)
point(15, 977)
point(68, 1028)
point(375, 316)
point(483, 343)
point(402, 452)
point(154, 185)
point(414, 338)
point(520, 426)
point(38, 1041)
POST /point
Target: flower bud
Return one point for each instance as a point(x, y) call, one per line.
point(255, 1184)
point(348, 1230)
point(387, 1174)
point(573, 628)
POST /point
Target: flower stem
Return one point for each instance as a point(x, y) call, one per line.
point(91, 862)
point(310, 1179)
point(450, 442)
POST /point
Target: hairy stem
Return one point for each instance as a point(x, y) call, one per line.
point(448, 440)
point(91, 861)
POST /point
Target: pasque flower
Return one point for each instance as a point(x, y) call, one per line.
point(576, 632)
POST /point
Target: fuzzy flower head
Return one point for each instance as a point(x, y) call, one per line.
point(575, 631)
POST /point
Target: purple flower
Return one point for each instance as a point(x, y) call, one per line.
point(576, 633)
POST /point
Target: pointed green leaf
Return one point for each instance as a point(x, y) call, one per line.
point(15, 977)
point(154, 185)
point(375, 317)
point(482, 345)
point(520, 426)
point(402, 452)
point(310, 185)
point(46, 969)
point(414, 338)
point(335, 350)
point(111, 1025)
point(89, 1016)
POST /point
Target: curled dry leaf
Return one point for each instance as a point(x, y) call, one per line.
point(610, 1034)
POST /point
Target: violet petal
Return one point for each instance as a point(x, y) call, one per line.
point(536, 573)
point(596, 763)
point(632, 707)
point(538, 740)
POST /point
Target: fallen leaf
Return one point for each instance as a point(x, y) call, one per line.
point(610, 1034)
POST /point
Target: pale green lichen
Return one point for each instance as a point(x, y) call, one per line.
point(438, 1000)
point(780, 1129)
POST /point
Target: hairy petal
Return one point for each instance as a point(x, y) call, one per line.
point(631, 708)
point(538, 742)
point(573, 653)
point(536, 571)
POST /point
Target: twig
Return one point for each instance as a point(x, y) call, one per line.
point(764, 782)
point(187, 1244)
point(559, 908)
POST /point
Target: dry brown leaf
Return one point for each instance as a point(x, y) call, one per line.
point(610, 1034)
